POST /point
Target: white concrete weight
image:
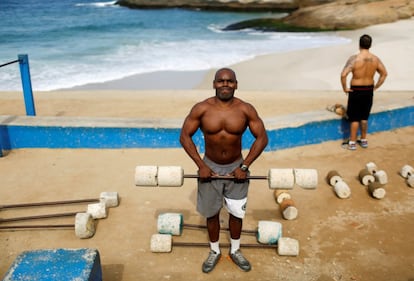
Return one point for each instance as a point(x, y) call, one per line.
point(111, 199)
point(170, 176)
point(365, 177)
point(406, 171)
point(371, 167)
point(146, 175)
point(281, 178)
point(84, 225)
point(306, 178)
point(269, 232)
point(170, 223)
point(97, 210)
point(381, 177)
point(288, 247)
point(333, 177)
point(342, 190)
point(410, 180)
point(161, 243)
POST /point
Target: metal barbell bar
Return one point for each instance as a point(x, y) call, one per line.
point(110, 199)
point(84, 226)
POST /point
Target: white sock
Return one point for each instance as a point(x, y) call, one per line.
point(215, 247)
point(235, 245)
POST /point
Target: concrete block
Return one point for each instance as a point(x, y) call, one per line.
point(56, 264)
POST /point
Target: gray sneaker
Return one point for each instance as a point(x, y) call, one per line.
point(211, 261)
point(240, 260)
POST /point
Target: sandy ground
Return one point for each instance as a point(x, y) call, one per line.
point(359, 238)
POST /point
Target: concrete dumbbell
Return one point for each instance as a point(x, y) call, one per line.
point(84, 226)
point(96, 210)
point(375, 180)
point(163, 243)
point(380, 175)
point(286, 203)
point(377, 190)
point(371, 167)
point(366, 177)
point(407, 172)
point(173, 176)
point(172, 223)
point(341, 188)
point(109, 198)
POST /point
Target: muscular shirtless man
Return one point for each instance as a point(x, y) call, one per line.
point(223, 119)
point(363, 67)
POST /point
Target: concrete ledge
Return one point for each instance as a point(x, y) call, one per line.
point(284, 131)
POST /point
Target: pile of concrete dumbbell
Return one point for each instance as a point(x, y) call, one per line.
point(374, 179)
point(369, 176)
point(84, 224)
point(268, 233)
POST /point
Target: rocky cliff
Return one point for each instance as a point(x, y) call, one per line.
point(303, 14)
point(236, 5)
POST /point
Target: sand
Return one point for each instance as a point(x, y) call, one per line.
point(359, 238)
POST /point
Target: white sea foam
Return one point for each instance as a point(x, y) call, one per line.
point(98, 4)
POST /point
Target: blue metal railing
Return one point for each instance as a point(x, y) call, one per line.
point(23, 61)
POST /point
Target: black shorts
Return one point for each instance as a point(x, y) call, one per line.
point(360, 103)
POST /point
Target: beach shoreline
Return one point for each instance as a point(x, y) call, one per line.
point(309, 69)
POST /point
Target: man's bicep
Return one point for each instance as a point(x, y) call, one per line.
point(190, 126)
point(257, 127)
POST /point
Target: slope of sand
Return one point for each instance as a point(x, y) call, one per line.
point(360, 238)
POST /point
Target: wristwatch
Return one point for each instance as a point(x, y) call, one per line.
point(244, 167)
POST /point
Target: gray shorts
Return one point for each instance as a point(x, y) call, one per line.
point(210, 195)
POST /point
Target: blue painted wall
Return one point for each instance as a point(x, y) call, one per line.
point(313, 132)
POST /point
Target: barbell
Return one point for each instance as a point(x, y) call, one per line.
point(268, 232)
point(110, 199)
point(407, 172)
point(163, 243)
point(340, 187)
point(84, 226)
point(173, 176)
point(96, 210)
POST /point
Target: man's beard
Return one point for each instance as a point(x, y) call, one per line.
point(224, 97)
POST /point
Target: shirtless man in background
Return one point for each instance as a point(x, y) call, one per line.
point(363, 67)
point(223, 119)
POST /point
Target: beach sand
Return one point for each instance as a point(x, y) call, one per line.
point(359, 238)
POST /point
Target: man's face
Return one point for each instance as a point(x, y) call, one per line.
point(225, 84)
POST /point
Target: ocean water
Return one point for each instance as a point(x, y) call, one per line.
point(76, 42)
